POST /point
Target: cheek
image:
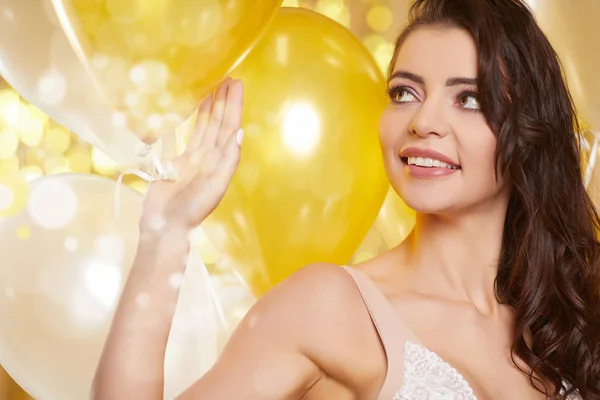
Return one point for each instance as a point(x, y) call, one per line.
point(479, 161)
point(385, 128)
point(392, 128)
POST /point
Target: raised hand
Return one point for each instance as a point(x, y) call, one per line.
point(204, 170)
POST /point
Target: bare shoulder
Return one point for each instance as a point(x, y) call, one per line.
point(312, 332)
point(308, 300)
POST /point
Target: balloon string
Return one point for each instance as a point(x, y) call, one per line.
point(164, 172)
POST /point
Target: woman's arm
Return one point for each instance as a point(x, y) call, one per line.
point(132, 362)
point(265, 358)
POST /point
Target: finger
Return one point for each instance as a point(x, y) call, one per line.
point(216, 115)
point(232, 120)
point(201, 124)
point(231, 158)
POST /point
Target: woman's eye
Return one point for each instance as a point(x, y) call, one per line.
point(469, 101)
point(400, 95)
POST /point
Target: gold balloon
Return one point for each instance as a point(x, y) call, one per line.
point(311, 180)
point(572, 28)
point(155, 59)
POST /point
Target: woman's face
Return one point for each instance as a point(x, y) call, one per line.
point(437, 146)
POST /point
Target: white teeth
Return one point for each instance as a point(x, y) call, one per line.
point(429, 162)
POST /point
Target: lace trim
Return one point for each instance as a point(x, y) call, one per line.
point(428, 377)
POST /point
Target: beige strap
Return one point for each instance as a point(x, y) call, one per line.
point(392, 331)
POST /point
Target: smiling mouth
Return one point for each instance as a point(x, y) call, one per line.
point(425, 162)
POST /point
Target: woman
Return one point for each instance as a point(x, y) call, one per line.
point(495, 295)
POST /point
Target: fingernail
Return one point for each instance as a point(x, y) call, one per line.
point(240, 136)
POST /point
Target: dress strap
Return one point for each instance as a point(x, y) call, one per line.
point(392, 331)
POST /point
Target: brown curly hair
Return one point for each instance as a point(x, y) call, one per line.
point(549, 268)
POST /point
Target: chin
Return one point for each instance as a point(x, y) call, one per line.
point(435, 206)
point(429, 200)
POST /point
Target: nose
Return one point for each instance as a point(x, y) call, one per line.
point(429, 119)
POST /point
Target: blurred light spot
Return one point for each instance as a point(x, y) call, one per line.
point(57, 140)
point(8, 14)
point(281, 49)
point(14, 191)
point(52, 204)
point(142, 300)
point(71, 244)
point(9, 165)
point(334, 9)
point(31, 172)
point(6, 196)
point(79, 160)
point(56, 164)
point(118, 119)
point(380, 18)
point(9, 292)
point(52, 88)
point(31, 131)
point(301, 129)
point(9, 107)
point(103, 282)
point(175, 280)
point(9, 143)
point(110, 248)
point(23, 233)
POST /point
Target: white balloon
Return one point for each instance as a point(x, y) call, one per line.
point(37, 60)
point(60, 282)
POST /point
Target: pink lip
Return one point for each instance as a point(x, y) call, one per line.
point(428, 172)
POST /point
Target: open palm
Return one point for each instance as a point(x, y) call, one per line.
point(204, 170)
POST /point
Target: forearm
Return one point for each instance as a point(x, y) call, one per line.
point(132, 362)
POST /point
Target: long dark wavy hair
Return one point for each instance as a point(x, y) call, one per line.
point(549, 267)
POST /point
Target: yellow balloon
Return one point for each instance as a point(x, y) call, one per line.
point(311, 180)
point(155, 59)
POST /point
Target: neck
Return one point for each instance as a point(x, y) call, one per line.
point(456, 257)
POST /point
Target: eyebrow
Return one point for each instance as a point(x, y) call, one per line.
point(419, 79)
